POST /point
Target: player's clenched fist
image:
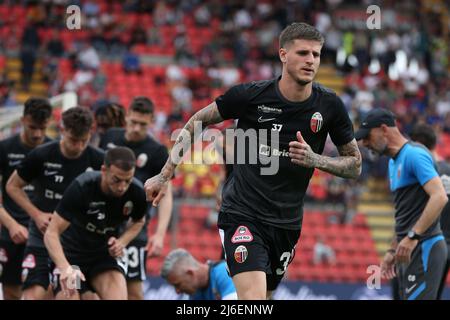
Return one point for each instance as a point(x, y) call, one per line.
point(155, 189)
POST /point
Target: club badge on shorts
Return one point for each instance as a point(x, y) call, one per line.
point(242, 234)
point(241, 254)
point(3, 256)
point(29, 262)
point(316, 122)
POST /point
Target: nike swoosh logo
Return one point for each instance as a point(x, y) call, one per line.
point(132, 274)
point(260, 119)
point(50, 173)
point(408, 290)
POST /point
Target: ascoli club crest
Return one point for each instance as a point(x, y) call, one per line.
point(316, 122)
point(127, 208)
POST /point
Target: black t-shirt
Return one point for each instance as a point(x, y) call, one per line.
point(277, 199)
point(51, 173)
point(151, 157)
point(12, 153)
point(444, 172)
point(94, 216)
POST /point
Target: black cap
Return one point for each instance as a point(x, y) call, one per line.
point(374, 119)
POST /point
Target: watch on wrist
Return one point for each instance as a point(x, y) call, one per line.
point(413, 235)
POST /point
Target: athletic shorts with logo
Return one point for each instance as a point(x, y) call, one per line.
point(137, 257)
point(11, 257)
point(90, 265)
point(420, 279)
point(36, 268)
point(253, 246)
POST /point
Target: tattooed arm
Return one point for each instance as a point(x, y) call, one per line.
point(347, 165)
point(204, 117)
point(156, 186)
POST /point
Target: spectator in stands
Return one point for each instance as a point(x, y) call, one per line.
point(90, 18)
point(201, 281)
point(182, 96)
point(88, 57)
point(28, 52)
point(323, 253)
point(7, 95)
point(131, 62)
point(55, 46)
point(138, 36)
point(154, 37)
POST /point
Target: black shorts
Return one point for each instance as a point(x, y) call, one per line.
point(90, 265)
point(36, 268)
point(11, 256)
point(446, 269)
point(137, 257)
point(252, 246)
point(420, 279)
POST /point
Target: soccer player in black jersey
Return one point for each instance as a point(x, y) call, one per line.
point(110, 115)
point(261, 213)
point(50, 168)
point(84, 228)
point(151, 157)
point(14, 234)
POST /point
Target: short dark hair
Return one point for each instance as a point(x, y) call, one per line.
point(112, 113)
point(424, 134)
point(300, 30)
point(77, 120)
point(121, 157)
point(142, 104)
point(39, 109)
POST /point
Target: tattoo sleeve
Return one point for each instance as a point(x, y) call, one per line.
point(204, 117)
point(347, 165)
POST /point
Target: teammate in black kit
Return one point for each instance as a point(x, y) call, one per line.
point(51, 168)
point(261, 215)
point(14, 234)
point(84, 228)
point(110, 115)
point(425, 134)
point(151, 157)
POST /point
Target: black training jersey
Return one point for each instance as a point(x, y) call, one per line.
point(12, 152)
point(95, 216)
point(277, 199)
point(150, 158)
point(51, 172)
point(150, 155)
point(444, 172)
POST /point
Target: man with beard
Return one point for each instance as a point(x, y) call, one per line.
point(262, 210)
point(418, 253)
point(84, 229)
point(14, 234)
point(50, 168)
